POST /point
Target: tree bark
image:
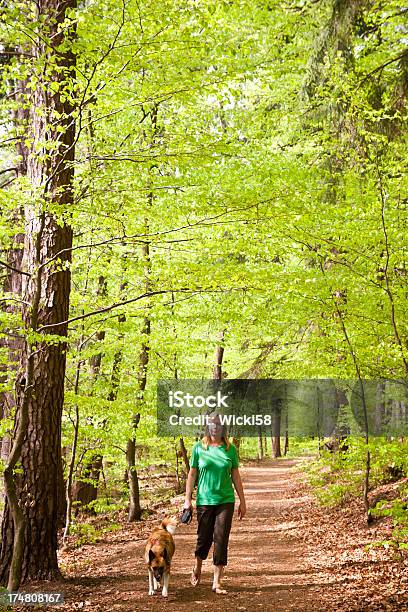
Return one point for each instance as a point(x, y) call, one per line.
point(135, 511)
point(96, 360)
point(70, 474)
point(184, 455)
point(29, 529)
point(85, 489)
point(219, 356)
point(275, 432)
point(260, 444)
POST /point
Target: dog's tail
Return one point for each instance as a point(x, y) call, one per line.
point(169, 524)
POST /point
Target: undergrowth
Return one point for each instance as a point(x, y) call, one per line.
point(336, 477)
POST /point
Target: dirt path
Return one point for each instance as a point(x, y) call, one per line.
point(266, 570)
point(287, 554)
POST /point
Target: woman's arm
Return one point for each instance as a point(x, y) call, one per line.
point(236, 479)
point(191, 478)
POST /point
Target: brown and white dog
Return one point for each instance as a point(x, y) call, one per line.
point(159, 551)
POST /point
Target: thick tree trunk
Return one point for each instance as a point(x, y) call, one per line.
point(31, 513)
point(85, 489)
point(276, 447)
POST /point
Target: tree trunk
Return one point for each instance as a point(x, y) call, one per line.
point(286, 446)
point(276, 447)
point(29, 529)
point(85, 489)
point(71, 466)
point(96, 360)
point(236, 442)
point(135, 511)
point(219, 356)
point(275, 432)
point(286, 443)
point(260, 444)
point(184, 455)
point(366, 483)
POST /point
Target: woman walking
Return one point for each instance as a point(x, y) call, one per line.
point(215, 460)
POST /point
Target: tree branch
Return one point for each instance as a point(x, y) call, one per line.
point(204, 222)
point(8, 170)
point(13, 269)
point(136, 299)
point(391, 61)
point(107, 309)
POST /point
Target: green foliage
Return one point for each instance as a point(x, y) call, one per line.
point(299, 447)
point(6, 426)
point(103, 505)
point(3, 593)
point(397, 509)
point(388, 457)
point(336, 477)
point(86, 533)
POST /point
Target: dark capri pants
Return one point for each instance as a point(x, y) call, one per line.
point(214, 525)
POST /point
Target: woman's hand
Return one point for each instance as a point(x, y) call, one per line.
point(191, 478)
point(236, 479)
point(241, 510)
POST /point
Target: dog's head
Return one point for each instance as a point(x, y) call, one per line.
point(158, 562)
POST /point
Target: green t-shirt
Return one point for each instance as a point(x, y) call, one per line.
point(214, 467)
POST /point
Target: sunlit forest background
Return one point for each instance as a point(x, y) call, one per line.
point(193, 189)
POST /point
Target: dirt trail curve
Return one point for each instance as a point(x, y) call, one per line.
point(267, 569)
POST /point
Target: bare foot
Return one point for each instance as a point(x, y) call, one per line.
point(195, 576)
point(219, 590)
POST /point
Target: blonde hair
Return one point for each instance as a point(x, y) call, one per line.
point(207, 438)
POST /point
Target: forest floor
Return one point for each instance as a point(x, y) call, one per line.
point(287, 554)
